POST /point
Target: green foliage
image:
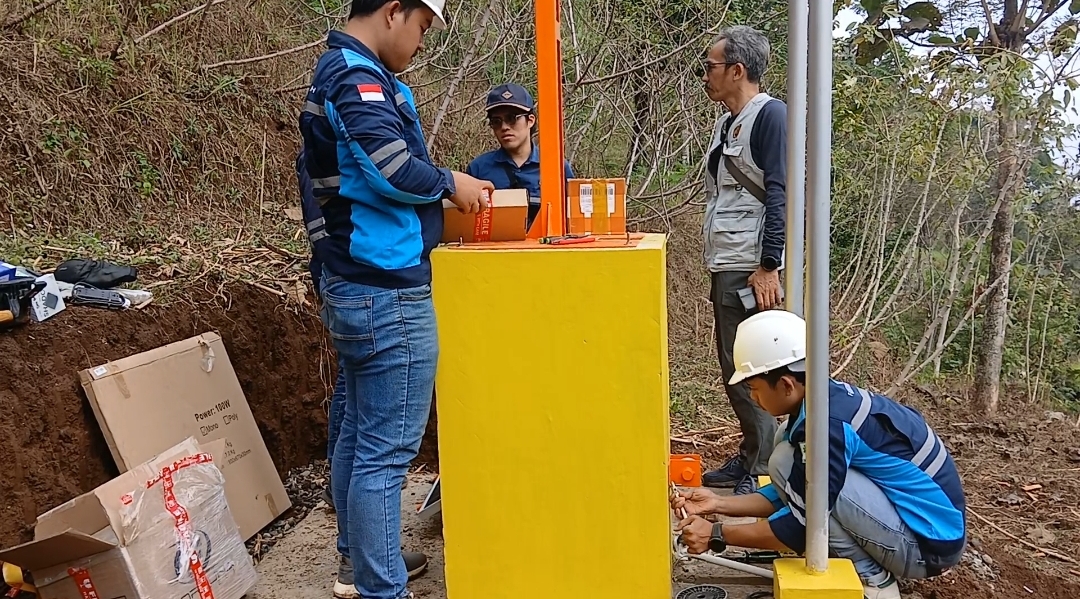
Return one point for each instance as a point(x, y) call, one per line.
point(146, 176)
point(923, 10)
point(913, 145)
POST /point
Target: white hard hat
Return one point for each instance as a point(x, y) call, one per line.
point(437, 7)
point(769, 340)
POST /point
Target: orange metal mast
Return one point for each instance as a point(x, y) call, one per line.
point(552, 217)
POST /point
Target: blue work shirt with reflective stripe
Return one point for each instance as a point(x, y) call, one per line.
point(371, 174)
point(892, 445)
point(498, 167)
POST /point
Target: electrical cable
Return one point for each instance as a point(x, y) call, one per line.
point(734, 565)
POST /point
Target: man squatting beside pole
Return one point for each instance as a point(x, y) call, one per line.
point(381, 201)
point(895, 501)
point(744, 225)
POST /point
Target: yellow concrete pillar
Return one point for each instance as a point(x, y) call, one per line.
point(553, 421)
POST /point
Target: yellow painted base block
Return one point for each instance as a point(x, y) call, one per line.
point(552, 399)
point(793, 581)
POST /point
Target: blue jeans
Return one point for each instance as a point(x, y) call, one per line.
point(337, 400)
point(337, 411)
point(864, 526)
point(333, 432)
point(388, 342)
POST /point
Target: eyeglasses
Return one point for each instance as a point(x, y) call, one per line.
point(707, 66)
point(710, 65)
point(497, 121)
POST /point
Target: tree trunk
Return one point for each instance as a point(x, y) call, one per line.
point(954, 270)
point(992, 343)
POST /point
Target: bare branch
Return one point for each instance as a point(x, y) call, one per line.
point(990, 24)
point(225, 63)
point(119, 50)
point(33, 10)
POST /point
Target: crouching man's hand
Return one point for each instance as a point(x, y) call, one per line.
point(696, 502)
point(696, 532)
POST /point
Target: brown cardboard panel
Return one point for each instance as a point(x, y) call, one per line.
point(147, 403)
point(65, 547)
point(503, 221)
point(83, 514)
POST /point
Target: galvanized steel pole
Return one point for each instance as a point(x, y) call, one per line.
point(817, 225)
point(798, 12)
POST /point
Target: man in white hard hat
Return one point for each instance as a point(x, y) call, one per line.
point(380, 197)
point(895, 501)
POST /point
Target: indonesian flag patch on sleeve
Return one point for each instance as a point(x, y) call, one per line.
point(371, 92)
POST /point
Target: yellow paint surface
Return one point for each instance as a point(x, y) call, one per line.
point(553, 422)
point(792, 581)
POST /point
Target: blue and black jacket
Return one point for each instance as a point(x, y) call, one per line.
point(892, 445)
point(314, 222)
point(364, 152)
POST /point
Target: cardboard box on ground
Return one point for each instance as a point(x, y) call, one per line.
point(161, 530)
point(148, 402)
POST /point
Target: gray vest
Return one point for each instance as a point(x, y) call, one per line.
point(734, 218)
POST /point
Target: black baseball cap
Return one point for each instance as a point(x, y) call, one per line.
point(510, 95)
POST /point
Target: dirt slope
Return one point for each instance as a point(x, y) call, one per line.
point(51, 445)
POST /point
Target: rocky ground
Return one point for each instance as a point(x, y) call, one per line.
point(296, 559)
point(1019, 473)
point(301, 562)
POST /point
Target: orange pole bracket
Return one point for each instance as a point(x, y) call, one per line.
point(550, 98)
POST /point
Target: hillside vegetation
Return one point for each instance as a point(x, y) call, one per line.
point(162, 133)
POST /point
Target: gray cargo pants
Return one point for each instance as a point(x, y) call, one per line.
point(758, 426)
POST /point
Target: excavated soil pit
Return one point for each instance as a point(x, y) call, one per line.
point(53, 449)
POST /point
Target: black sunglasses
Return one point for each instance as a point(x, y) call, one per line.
point(498, 121)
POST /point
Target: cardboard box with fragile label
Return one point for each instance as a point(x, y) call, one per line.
point(505, 220)
point(148, 402)
point(597, 206)
point(162, 530)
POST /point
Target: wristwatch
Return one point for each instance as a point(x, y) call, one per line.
point(716, 541)
point(769, 263)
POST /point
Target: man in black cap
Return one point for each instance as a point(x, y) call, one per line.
point(516, 164)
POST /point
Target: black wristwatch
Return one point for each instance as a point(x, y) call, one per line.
point(716, 541)
point(769, 263)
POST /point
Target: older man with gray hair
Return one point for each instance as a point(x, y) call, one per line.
point(744, 226)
